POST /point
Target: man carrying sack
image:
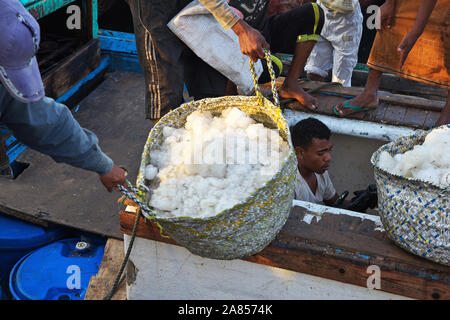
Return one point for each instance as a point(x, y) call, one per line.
point(35, 120)
point(167, 63)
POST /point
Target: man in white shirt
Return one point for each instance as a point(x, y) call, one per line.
point(312, 144)
point(311, 140)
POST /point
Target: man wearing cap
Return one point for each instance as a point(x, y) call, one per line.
point(35, 120)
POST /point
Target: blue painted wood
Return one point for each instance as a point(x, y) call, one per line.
point(117, 34)
point(105, 63)
point(90, 11)
point(11, 150)
point(125, 62)
point(121, 48)
point(28, 2)
point(94, 18)
point(15, 151)
point(42, 8)
point(117, 42)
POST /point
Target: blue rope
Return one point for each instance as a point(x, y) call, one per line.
point(336, 94)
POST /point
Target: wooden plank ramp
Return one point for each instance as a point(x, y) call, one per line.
point(102, 282)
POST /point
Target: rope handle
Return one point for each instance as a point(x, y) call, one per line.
point(145, 210)
point(272, 79)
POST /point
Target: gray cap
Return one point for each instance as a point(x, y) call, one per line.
point(19, 42)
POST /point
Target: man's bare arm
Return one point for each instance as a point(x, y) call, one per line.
point(423, 14)
point(408, 42)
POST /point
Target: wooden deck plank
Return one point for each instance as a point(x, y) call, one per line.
point(389, 82)
point(395, 115)
point(102, 282)
point(405, 86)
point(416, 117)
point(394, 109)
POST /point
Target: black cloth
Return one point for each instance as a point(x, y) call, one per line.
point(363, 200)
point(254, 11)
point(159, 52)
point(167, 63)
point(281, 31)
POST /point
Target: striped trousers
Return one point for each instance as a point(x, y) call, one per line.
point(166, 62)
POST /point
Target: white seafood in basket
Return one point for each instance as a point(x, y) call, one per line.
point(213, 163)
point(429, 161)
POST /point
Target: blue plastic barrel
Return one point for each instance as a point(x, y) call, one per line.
point(2, 294)
point(59, 271)
point(17, 238)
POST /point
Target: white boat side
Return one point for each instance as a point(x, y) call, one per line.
point(164, 271)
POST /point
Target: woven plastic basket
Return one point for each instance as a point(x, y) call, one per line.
point(415, 213)
point(249, 226)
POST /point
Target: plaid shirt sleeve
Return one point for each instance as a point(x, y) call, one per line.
point(222, 12)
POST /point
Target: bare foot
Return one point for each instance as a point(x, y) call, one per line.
point(362, 100)
point(294, 91)
point(314, 77)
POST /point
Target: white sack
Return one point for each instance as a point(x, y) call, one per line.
point(203, 34)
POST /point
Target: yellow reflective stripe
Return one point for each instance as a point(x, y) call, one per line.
point(307, 37)
point(314, 36)
point(316, 16)
point(277, 62)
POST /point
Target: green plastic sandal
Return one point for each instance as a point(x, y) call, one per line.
point(356, 108)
